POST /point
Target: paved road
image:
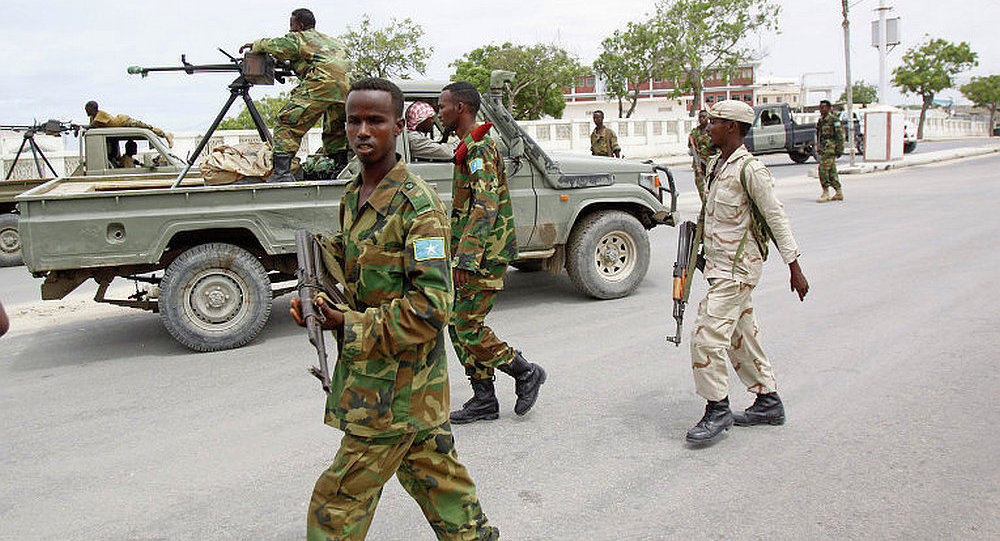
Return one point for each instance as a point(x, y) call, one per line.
point(113, 431)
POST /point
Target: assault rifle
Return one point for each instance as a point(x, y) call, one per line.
point(253, 69)
point(688, 241)
point(314, 280)
point(52, 127)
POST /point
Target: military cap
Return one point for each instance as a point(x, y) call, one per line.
point(732, 110)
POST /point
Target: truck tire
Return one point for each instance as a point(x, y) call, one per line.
point(215, 296)
point(608, 254)
point(799, 157)
point(10, 241)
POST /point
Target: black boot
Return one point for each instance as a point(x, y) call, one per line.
point(483, 405)
point(341, 157)
point(529, 378)
point(282, 171)
point(767, 409)
point(717, 419)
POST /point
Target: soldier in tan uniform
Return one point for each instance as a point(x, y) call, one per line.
point(101, 119)
point(734, 257)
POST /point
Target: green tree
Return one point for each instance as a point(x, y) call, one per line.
point(392, 51)
point(268, 109)
point(629, 58)
point(542, 73)
point(862, 92)
point(708, 37)
point(984, 92)
point(928, 68)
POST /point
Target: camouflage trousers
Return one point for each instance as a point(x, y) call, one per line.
point(478, 348)
point(133, 123)
point(300, 113)
point(828, 177)
point(699, 180)
point(426, 465)
point(726, 325)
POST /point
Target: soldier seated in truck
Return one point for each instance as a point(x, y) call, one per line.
point(128, 160)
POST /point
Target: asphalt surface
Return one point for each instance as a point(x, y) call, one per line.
point(111, 430)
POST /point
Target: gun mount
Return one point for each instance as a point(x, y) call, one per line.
point(52, 127)
point(253, 69)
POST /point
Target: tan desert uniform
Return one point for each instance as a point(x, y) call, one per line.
point(726, 322)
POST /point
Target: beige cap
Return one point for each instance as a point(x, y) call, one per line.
point(732, 110)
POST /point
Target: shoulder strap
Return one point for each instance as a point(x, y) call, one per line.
point(758, 224)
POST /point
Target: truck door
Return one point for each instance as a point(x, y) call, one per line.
point(768, 130)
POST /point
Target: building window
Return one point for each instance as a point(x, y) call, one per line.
point(777, 99)
point(795, 99)
point(763, 99)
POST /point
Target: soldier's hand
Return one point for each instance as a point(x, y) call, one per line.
point(799, 284)
point(460, 277)
point(333, 319)
point(246, 47)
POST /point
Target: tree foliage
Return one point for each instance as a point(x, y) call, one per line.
point(861, 92)
point(929, 68)
point(542, 73)
point(268, 109)
point(700, 37)
point(628, 58)
point(984, 92)
point(391, 51)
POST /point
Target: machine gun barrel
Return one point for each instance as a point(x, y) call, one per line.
point(255, 68)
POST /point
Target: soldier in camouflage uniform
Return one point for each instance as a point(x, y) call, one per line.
point(603, 141)
point(830, 138)
point(389, 388)
point(726, 326)
point(482, 244)
point(101, 119)
point(321, 65)
point(701, 148)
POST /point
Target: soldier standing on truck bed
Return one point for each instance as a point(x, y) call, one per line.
point(603, 141)
point(483, 242)
point(321, 64)
point(740, 195)
point(830, 137)
point(101, 119)
point(389, 391)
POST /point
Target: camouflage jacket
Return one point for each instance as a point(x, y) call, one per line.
point(702, 145)
point(392, 374)
point(830, 134)
point(319, 60)
point(483, 240)
point(604, 143)
point(728, 215)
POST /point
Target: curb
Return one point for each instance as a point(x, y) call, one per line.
point(923, 159)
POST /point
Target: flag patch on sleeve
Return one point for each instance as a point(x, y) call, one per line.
point(426, 249)
point(476, 165)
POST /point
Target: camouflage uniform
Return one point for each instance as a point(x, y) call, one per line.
point(726, 324)
point(830, 137)
point(389, 391)
point(105, 120)
point(702, 151)
point(604, 143)
point(482, 242)
point(321, 65)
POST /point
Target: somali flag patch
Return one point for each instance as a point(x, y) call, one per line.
point(476, 165)
point(426, 249)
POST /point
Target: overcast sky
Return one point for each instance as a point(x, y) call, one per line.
point(59, 54)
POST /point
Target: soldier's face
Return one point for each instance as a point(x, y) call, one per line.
point(598, 119)
point(448, 110)
point(718, 130)
point(372, 125)
point(824, 109)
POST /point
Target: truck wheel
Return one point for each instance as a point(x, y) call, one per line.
point(608, 254)
point(799, 157)
point(10, 241)
point(215, 296)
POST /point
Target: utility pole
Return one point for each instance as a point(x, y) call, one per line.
point(883, 87)
point(850, 84)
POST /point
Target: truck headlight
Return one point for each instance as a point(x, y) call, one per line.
point(651, 181)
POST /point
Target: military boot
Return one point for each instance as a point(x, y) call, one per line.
point(838, 196)
point(717, 419)
point(282, 171)
point(825, 197)
point(341, 157)
point(170, 139)
point(767, 409)
point(483, 405)
point(529, 378)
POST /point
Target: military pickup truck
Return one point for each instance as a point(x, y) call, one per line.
point(100, 149)
point(775, 131)
point(212, 258)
